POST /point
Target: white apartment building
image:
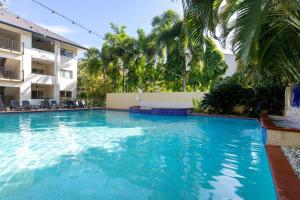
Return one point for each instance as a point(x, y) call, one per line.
point(35, 63)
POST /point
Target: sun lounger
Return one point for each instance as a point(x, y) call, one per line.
point(71, 104)
point(55, 105)
point(46, 105)
point(80, 104)
point(26, 105)
point(63, 104)
point(15, 105)
point(2, 106)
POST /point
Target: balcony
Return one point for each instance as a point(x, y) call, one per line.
point(42, 79)
point(42, 43)
point(8, 73)
point(42, 72)
point(9, 44)
point(10, 69)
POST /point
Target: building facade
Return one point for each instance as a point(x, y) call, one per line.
point(35, 63)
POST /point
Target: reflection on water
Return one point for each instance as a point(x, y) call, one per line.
point(116, 155)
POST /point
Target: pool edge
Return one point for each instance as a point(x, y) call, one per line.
point(222, 116)
point(196, 114)
point(286, 182)
point(267, 123)
point(47, 111)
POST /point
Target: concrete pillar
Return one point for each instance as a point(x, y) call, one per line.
point(25, 87)
point(288, 94)
point(56, 71)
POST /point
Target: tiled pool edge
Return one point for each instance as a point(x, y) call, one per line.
point(269, 124)
point(45, 111)
point(197, 114)
point(278, 136)
point(222, 116)
point(286, 182)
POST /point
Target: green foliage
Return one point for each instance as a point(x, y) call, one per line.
point(264, 35)
point(270, 99)
point(228, 95)
point(151, 62)
point(225, 95)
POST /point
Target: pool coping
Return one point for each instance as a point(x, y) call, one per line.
point(47, 110)
point(286, 182)
point(223, 116)
point(197, 114)
point(267, 123)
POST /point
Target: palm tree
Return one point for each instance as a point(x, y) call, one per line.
point(172, 41)
point(264, 34)
point(92, 61)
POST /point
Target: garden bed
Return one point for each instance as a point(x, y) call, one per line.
point(293, 156)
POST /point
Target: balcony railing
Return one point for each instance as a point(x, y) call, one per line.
point(8, 74)
point(6, 43)
point(42, 79)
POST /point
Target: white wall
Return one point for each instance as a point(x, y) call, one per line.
point(25, 60)
point(232, 65)
point(69, 64)
point(153, 100)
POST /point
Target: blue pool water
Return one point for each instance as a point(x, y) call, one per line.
point(116, 155)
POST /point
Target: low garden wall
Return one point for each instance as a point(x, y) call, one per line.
point(159, 99)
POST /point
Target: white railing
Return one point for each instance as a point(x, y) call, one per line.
point(42, 79)
point(10, 44)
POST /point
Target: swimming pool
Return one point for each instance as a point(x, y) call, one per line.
point(117, 155)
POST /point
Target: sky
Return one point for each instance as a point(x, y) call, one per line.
point(94, 14)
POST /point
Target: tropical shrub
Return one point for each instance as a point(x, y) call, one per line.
point(269, 99)
point(227, 95)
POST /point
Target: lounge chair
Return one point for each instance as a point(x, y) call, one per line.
point(46, 105)
point(2, 106)
point(15, 105)
point(71, 104)
point(55, 105)
point(63, 105)
point(26, 105)
point(80, 104)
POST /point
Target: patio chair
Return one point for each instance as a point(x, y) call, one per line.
point(80, 104)
point(46, 105)
point(26, 105)
point(2, 106)
point(15, 105)
point(71, 104)
point(63, 105)
point(55, 105)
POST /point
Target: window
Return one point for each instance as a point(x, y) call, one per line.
point(37, 94)
point(37, 71)
point(66, 74)
point(62, 94)
point(66, 52)
point(68, 94)
point(65, 94)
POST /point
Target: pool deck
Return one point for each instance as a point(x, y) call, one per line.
point(267, 123)
point(287, 183)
